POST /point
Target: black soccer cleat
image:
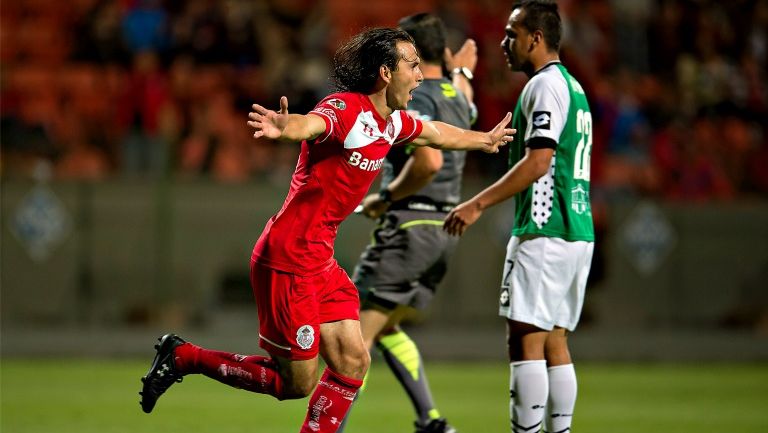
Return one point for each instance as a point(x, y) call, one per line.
point(438, 425)
point(162, 374)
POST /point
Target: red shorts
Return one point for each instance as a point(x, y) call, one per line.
point(291, 308)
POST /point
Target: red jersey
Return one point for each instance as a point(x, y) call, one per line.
point(333, 174)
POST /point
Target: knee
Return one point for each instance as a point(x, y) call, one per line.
point(389, 330)
point(556, 351)
point(525, 342)
point(358, 364)
point(354, 364)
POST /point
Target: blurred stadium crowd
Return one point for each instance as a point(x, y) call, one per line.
point(111, 88)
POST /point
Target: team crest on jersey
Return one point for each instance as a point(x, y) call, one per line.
point(579, 199)
point(305, 336)
point(338, 103)
point(541, 119)
point(390, 128)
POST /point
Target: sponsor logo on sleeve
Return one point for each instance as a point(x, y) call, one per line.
point(541, 119)
point(328, 112)
point(338, 103)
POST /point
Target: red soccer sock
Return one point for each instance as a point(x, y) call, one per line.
point(330, 402)
point(252, 373)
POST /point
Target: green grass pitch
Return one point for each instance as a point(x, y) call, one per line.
point(75, 396)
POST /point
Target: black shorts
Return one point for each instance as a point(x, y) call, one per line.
point(406, 260)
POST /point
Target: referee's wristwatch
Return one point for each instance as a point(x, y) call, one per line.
point(463, 71)
point(385, 195)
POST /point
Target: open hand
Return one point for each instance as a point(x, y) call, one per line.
point(500, 135)
point(269, 123)
point(466, 56)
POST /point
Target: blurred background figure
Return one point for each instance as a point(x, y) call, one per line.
point(653, 65)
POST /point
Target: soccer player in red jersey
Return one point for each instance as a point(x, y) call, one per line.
point(307, 305)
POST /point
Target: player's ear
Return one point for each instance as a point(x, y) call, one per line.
point(538, 37)
point(385, 73)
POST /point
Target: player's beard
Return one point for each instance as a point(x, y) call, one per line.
point(517, 65)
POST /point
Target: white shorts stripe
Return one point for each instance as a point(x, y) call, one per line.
point(273, 343)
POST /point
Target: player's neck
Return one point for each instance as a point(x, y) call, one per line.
point(379, 101)
point(431, 71)
point(543, 60)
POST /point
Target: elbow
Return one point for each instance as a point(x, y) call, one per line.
point(432, 167)
point(541, 167)
point(540, 161)
point(425, 172)
point(428, 162)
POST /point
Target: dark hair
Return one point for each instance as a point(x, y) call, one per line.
point(429, 33)
point(542, 15)
point(356, 63)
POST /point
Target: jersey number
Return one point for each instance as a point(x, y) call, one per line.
point(584, 148)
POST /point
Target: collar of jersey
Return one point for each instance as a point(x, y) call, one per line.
point(553, 62)
point(380, 121)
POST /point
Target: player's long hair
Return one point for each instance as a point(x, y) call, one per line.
point(356, 64)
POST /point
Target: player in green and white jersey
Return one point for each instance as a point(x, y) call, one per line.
point(550, 251)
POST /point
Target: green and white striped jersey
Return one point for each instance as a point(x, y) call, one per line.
point(553, 106)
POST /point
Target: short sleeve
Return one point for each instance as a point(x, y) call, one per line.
point(545, 105)
point(411, 128)
point(335, 110)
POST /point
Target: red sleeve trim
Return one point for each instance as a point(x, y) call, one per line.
point(328, 125)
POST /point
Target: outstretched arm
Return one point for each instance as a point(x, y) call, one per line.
point(441, 135)
point(534, 164)
point(282, 125)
